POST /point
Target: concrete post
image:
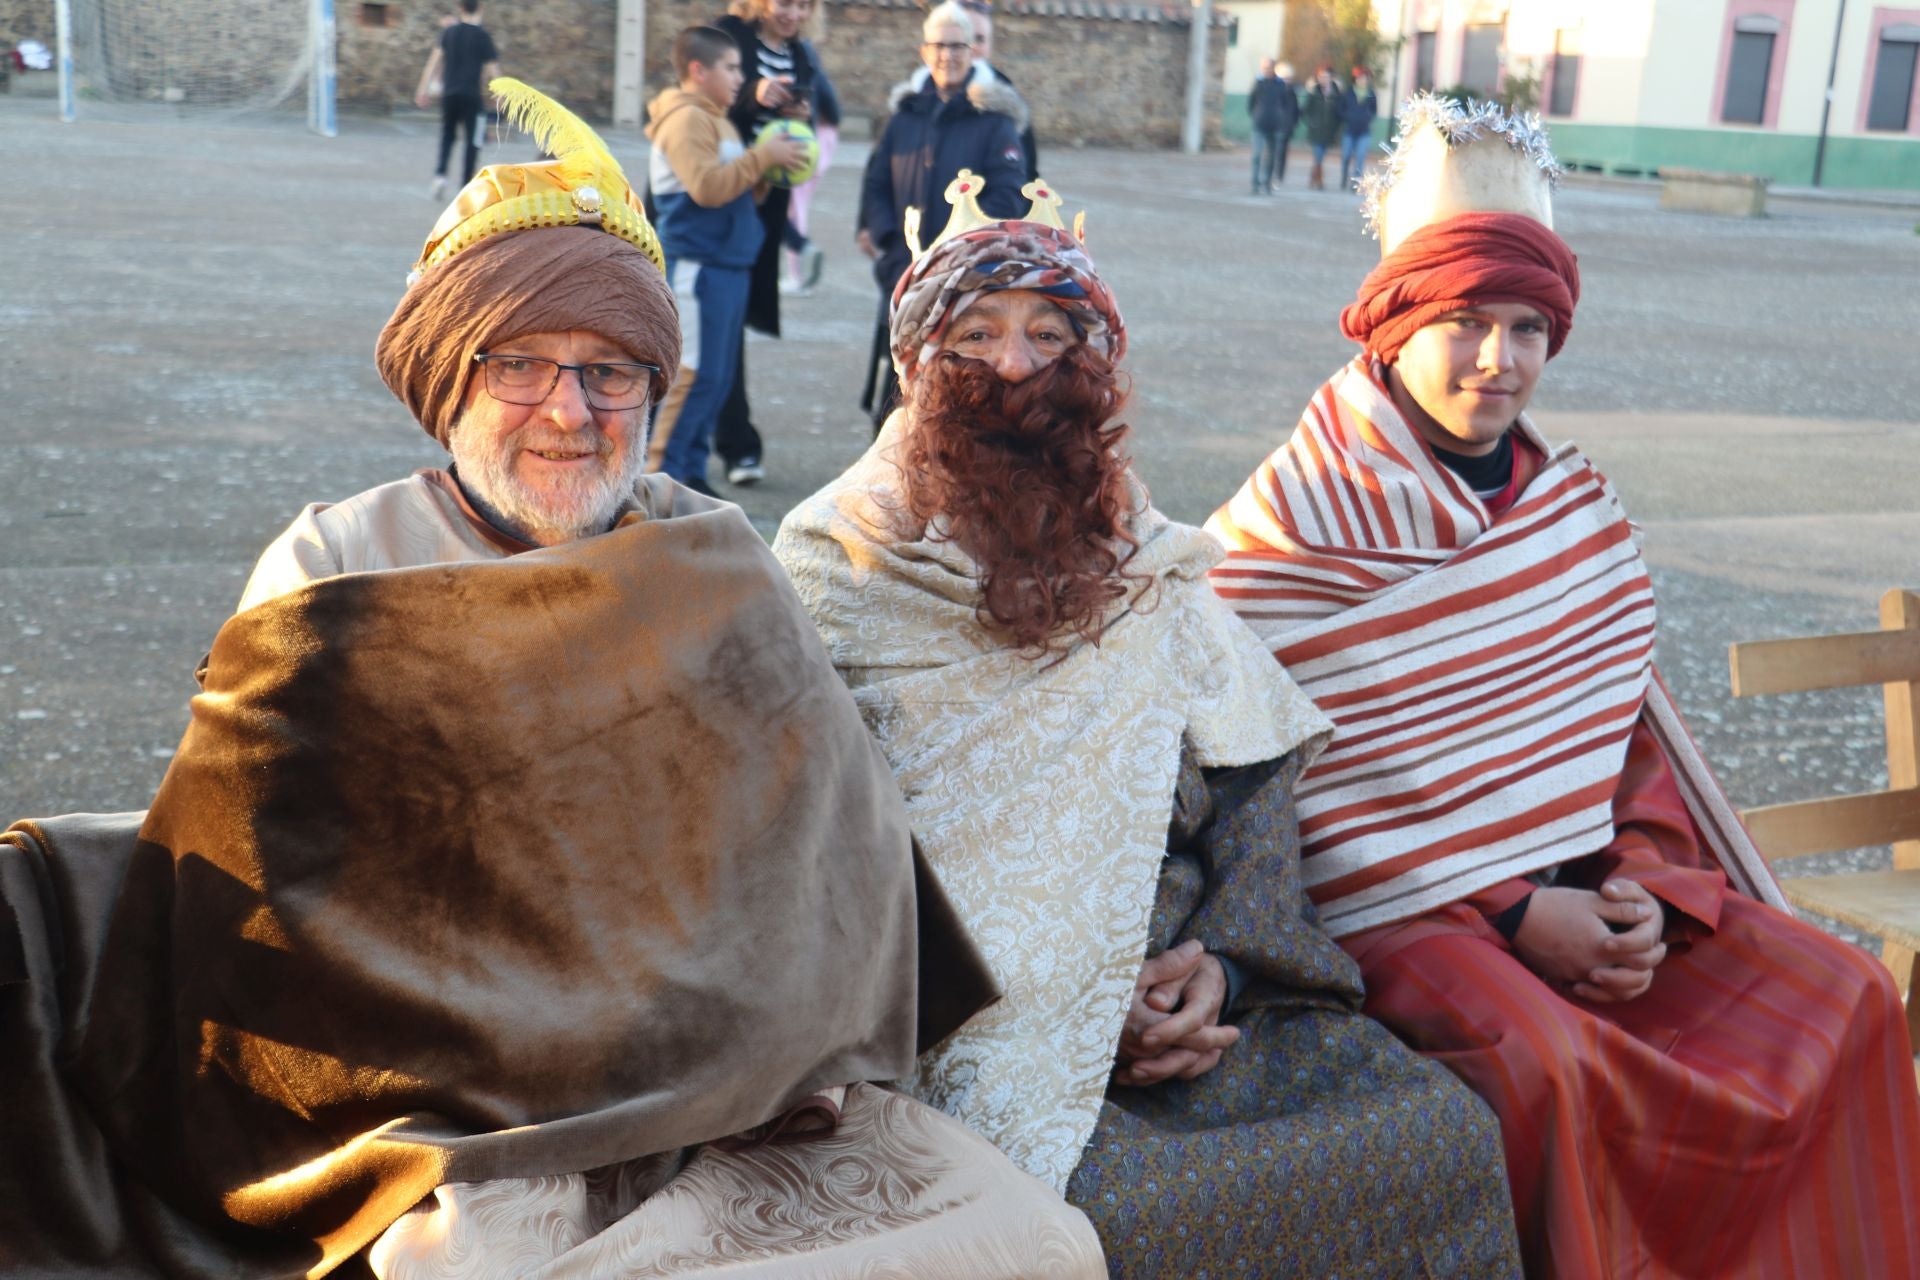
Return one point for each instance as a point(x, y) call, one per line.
point(1192, 128)
point(63, 26)
point(629, 62)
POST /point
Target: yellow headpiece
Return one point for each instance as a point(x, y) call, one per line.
point(582, 186)
point(963, 193)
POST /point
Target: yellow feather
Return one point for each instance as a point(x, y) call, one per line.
point(584, 159)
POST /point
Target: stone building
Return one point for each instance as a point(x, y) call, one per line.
point(1095, 73)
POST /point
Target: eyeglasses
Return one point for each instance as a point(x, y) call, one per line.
point(952, 49)
point(607, 385)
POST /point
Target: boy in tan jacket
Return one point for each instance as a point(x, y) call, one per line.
point(704, 182)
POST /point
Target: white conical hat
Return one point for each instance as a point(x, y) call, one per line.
point(1450, 159)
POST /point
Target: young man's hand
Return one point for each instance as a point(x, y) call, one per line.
point(1173, 1028)
point(783, 152)
point(1566, 938)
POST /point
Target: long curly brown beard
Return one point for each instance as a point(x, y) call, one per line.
point(1032, 483)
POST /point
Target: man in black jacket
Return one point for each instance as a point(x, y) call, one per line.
point(1275, 110)
point(980, 13)
point(954, 123)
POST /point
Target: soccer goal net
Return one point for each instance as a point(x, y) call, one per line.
point(200, 56)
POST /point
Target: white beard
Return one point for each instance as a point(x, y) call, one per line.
point(564, 508)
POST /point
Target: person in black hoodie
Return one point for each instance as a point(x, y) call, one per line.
point(956, 122)
point(780, 70)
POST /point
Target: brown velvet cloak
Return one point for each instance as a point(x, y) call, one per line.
point(462, 872)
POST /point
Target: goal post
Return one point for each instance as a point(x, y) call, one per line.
point(321, 82)
point(134, 59)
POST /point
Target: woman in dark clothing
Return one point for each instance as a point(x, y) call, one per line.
point(780, 69)
point(1320, 110)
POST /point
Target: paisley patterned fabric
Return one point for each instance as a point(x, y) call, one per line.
point(1038, 791)
point(1005, 255)
point(1320, 1145)
point(897, 1191)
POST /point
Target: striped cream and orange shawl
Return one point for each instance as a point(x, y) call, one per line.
point(1484, 673)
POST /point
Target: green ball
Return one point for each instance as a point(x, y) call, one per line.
point(794, 129)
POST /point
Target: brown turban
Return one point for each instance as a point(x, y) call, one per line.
point(546, 280)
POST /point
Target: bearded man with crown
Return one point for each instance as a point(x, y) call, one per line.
point(1098, 759)
point(527, 897)
point(1511, 830)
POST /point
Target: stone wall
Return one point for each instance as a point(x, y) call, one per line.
point(1110, 75)
point(25, 20)
point(564, 47)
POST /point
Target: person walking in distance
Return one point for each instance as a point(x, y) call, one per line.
point(1275, 110)
point(1359, 108)
point(464, 60)
point(1320, 108)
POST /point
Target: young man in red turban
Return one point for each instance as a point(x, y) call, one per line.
point(1511, 830)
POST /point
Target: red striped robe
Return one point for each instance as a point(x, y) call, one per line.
point(1754, 1113)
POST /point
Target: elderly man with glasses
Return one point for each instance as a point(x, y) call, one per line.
point(959, 120)
point(526, 895)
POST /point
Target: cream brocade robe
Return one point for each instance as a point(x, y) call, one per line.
point(897, 1190)
point(1040, 793)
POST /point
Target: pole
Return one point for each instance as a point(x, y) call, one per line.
point(629, 62)
point(322, 78)
point(63, 25)
point(1191, 127)
point(1826, 104)
point(1399, 57)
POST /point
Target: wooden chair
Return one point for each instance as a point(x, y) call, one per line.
point(1885, 904)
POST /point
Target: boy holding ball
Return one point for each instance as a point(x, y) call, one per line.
point(705, 182)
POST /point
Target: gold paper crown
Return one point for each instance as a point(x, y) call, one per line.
point(963, 193)
point(583, 186)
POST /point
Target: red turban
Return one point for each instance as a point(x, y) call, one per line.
point(1467, 260)
point(545, 280)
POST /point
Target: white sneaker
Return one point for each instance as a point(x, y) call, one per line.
point(745, 472)
point(791, 288)
point(439, 187)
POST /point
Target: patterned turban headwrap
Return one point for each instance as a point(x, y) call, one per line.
point(1467, 260)
point(545, 280)
point(992, 259)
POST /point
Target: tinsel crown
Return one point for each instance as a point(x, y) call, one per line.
point(1450, 158)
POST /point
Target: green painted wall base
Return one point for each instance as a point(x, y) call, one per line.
point(1874, 164)
point(1235, 124)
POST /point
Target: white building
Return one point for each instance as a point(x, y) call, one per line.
point(1733, 85)
point(1258, 27)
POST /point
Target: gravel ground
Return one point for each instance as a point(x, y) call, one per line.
point(185, 360)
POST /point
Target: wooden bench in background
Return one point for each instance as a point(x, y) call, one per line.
point(1885, 904)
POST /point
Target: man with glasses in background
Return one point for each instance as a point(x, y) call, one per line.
point(959, 120)
point(980, 13)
